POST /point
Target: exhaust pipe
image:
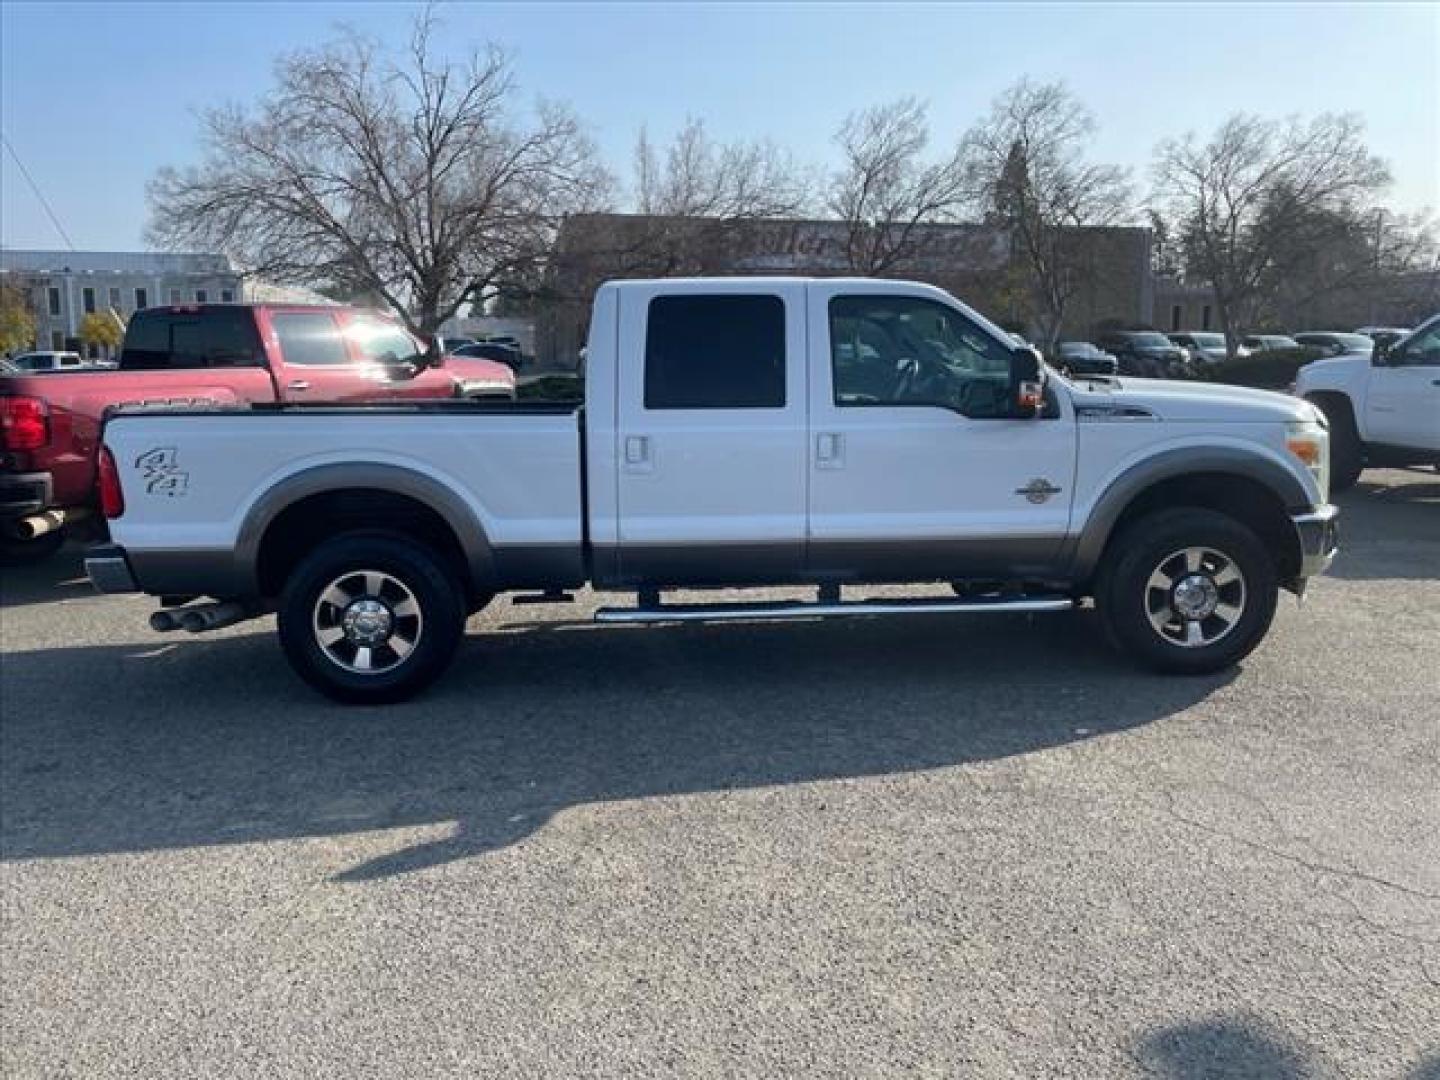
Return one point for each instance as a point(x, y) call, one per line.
point(203, 617)
point(162, 621)
point(37, 525)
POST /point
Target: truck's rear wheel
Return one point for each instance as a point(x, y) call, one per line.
point(371, 618)
point(1188, 591)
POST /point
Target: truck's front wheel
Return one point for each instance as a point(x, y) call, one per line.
point(1187, 591)
point(371, 618)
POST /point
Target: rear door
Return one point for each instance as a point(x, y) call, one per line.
point(711, 433)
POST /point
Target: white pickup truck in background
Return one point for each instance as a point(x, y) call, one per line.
point(735, 433)
point(1383, 406)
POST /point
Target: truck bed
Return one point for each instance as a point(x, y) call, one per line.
point(208, 481)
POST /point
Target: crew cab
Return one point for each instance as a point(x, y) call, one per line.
point(832, 433)
point(1383, 403)
point(206, 354)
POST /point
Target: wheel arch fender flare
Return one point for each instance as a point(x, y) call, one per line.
point(1177, 462)
point(394, 479)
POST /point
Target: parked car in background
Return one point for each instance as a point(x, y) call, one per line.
point(1146, 353)
point(226, 355)
point(1384, 335)
point(1083, 358)
point(1205, 346)
point(492, 350)
point(938, 453)
point(45, 360)
point(1334, 342)
point(1265, 342)
point(1383, 406)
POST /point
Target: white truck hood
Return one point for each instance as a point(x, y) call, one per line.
point(1171, 399)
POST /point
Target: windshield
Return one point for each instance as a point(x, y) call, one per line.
point(1151, 341)
point(1209, 341)
point(1354, 341)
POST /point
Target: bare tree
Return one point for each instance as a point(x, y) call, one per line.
point(1255, 191)
point(885, 192)
point(727, 181)
point(406, 178)
point(1025, 164)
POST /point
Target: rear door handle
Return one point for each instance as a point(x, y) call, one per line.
point(298, 384)
point(637, 454)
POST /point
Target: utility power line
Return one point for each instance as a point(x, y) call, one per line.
point(38, 193)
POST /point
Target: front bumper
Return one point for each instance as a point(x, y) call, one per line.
point(109, 570)
point(1319, 534)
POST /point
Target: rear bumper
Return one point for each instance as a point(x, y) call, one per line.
point(23, 494)
point(1319, 534)
point(109, 569)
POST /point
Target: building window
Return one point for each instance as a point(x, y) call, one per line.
point(1205, 317)
point(57, 339)
point(142, 300)
point(227, 296)
point(175, 297)
point(87, 300)
point(715, 352)
point(115, 297)
point(55, 303)
point(1175, 311)
point(201, 296)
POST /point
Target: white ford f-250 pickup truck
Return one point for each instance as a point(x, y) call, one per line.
point(1383, 406)
point(735, 432)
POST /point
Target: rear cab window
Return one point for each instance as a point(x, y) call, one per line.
point(723, 351)
point(159, 340)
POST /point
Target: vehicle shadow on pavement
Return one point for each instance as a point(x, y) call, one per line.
point(59, 578)
point(1389, 530)
point(188, 742)
point(1221, 1049)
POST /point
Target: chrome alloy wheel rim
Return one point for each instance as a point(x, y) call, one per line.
point(367, 622)
point(1194, 597)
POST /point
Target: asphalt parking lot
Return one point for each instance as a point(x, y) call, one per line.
point(933, 846)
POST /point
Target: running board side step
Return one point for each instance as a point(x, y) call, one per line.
point(805, 609)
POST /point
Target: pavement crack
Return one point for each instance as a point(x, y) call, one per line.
point(1309, 864)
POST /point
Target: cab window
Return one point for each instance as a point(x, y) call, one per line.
point(907, 351)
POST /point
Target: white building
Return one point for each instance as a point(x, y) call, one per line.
point(65, 286)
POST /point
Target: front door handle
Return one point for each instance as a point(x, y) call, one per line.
point(829, 450)
point(298, 384)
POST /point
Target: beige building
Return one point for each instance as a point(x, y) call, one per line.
point(971, 261)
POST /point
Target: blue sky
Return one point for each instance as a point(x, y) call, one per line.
point(96, 97)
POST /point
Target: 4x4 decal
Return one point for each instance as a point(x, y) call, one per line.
point(160, 472)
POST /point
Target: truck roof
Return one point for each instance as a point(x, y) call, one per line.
point(686, 284)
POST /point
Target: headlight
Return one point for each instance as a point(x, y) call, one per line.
point(1310, 442)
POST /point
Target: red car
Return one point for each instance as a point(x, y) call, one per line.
point(204, 355)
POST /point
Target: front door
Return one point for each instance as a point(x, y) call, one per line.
point(711, 434)
point(1402, 407)
point(915, 471)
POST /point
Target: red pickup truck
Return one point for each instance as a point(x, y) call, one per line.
point(204, 355)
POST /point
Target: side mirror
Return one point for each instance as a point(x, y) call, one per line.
point(1027, 382)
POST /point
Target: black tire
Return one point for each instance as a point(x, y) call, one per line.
point(411, 568)
point(16, 552)
point(1347, 452)
point(1131, 606)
